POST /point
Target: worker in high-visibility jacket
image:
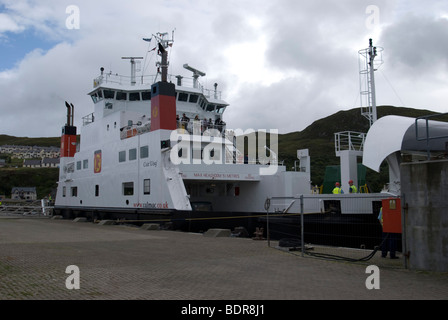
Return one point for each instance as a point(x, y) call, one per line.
point(389, 240)
point(337, 188)
point(352, 187)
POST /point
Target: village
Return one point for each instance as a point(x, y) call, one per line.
point(18, 156)
point(32, 156)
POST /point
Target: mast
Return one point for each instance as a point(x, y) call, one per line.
point(163, 94)
point(132, 68)
point(368, 66)
point(162, 46)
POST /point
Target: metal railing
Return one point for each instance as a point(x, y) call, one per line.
point(148, 80)
point(428, 137)
point(349, 140)
point(25, 207)
point(320, 226)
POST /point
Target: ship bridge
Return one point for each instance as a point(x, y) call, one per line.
point(113, 93)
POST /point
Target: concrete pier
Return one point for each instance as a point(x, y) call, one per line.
point(425, 199)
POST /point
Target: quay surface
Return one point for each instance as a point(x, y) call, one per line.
point(118, 262)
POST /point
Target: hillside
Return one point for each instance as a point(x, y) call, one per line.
point(25, 141)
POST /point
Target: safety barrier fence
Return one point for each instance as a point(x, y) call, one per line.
point(26, 208)
point(332, 227)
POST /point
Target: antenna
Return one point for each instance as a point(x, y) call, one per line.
point(196, 74)
point(367, 66)
point(132, 68)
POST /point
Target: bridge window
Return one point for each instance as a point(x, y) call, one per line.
point(121, 96)
point(146, 95)
point(203, 103)
point(109, 94)
point(183, 96)
point(134, 96)
point(220, 109)
point(94, 98)
point(193, 98)
point(97, 96)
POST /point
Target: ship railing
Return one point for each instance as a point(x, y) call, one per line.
point(349, 140)
point(88, 119)
point(198, 127)
point(134, 130)
point(194, 83)
point(253, 161)
point(148, 80)
point(110, 78)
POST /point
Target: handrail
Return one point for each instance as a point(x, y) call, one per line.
point(148, 80)
point(428, 137)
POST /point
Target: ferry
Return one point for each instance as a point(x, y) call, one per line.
point(156, 149)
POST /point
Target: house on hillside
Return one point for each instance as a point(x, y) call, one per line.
point(50, 162)
point(24, 193)
point(29, 163)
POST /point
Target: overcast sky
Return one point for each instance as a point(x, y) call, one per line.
point(280, 64)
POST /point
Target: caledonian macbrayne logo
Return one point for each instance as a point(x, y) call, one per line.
point(97, 162)
point(155, 112)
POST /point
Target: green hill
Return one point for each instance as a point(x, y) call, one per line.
point(25, 141)
point(44, 179)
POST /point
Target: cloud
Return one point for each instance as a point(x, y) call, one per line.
point(281, 65)
point(417, 44)
point(8, 24)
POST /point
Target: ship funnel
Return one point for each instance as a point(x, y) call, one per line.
point(70, 113)
point(68, 139)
